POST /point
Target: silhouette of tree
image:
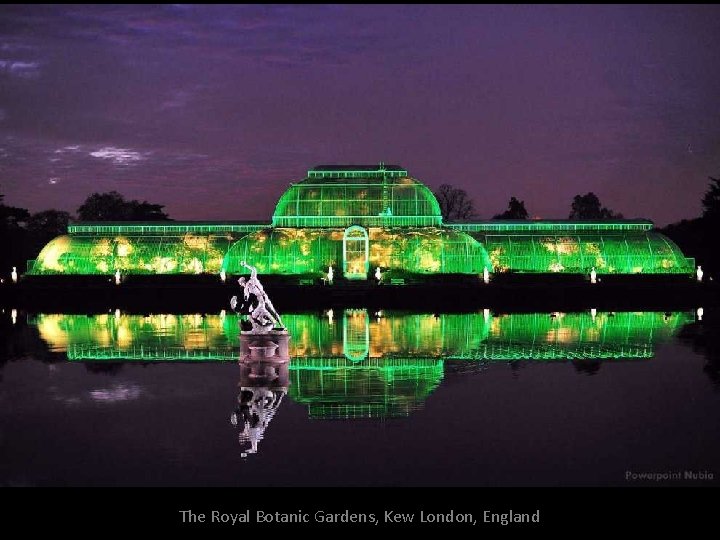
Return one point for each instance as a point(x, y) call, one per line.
point(13, 245)
point(516, 210)
point(112, 206)
point(711, 200)
point(12, 217)
point(697, 237)
point(455, 204)
point(588, 207)
point(49, 223)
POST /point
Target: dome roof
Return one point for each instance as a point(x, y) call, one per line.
point(372, 196)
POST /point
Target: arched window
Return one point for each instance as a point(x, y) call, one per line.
point(355, 253)
point(356, 334)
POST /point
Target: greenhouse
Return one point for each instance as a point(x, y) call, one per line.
point(356, 219)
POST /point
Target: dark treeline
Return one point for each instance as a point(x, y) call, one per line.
point(696, 237)
point(456, 205)
point(23, 234)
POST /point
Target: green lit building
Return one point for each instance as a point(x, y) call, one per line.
point(355, 219)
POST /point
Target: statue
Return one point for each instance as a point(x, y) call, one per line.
point(263, 316)
point(223, 275)
point(330, 274)
point(593, 275)
point(699, 273)
point(486, 276)
point(117, 277)
point(378, 274)
point(14, 274)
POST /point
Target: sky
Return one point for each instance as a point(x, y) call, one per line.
point(214, 110)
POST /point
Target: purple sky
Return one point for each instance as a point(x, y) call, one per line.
point(214, 110)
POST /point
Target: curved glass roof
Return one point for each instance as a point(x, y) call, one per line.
point(371, 196)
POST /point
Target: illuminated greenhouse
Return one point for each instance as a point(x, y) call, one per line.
point(356, 219)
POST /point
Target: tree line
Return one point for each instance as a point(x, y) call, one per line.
point(456, 205)
point(23, 234)
point(696, 237)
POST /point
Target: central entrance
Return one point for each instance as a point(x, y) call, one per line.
point(355, 253)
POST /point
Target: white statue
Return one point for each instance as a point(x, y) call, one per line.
point(330, 274)
point(117, 277)
point(13, 274)
point(699, 273)
point(700, 313)
point(486, 276)
point(263, 316)
point(223, 275)
point(378, 274)
point(593, 275)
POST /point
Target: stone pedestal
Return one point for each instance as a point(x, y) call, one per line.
point(264, 359)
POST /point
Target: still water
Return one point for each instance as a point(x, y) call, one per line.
point(370, 398)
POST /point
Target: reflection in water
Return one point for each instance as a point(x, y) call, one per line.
point(357, 336)
point(359, 364)
point(264, 380)
point(354, 363)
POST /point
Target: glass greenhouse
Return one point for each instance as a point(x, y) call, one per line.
point(355, 219)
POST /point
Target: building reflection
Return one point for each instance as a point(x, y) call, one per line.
point(361, 364)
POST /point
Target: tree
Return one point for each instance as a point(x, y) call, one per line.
point(13, 245)
point(48, 223)
point(12, 217)
point(588, 207)
point(112, 206)
point(516, 210)
point(711, 200)
point(455, 204)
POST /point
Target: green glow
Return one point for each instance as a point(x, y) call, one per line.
point(316, 218)
point(643, 252)
point(369, 202)
point(356, 260)
point(357, 335)
point(351, 172)
point(188, 254)
point(552, 226)
point(373, 389)
point(361, 364)
point(428, 250)
point(163, 228)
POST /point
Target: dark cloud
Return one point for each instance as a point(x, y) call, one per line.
point(202, 107)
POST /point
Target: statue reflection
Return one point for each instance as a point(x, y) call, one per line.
point(264, 380)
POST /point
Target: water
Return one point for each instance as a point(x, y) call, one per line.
point(373, 398)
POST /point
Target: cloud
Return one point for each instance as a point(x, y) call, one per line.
point(118, 156)
point(116, 393)
point(19, 68)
